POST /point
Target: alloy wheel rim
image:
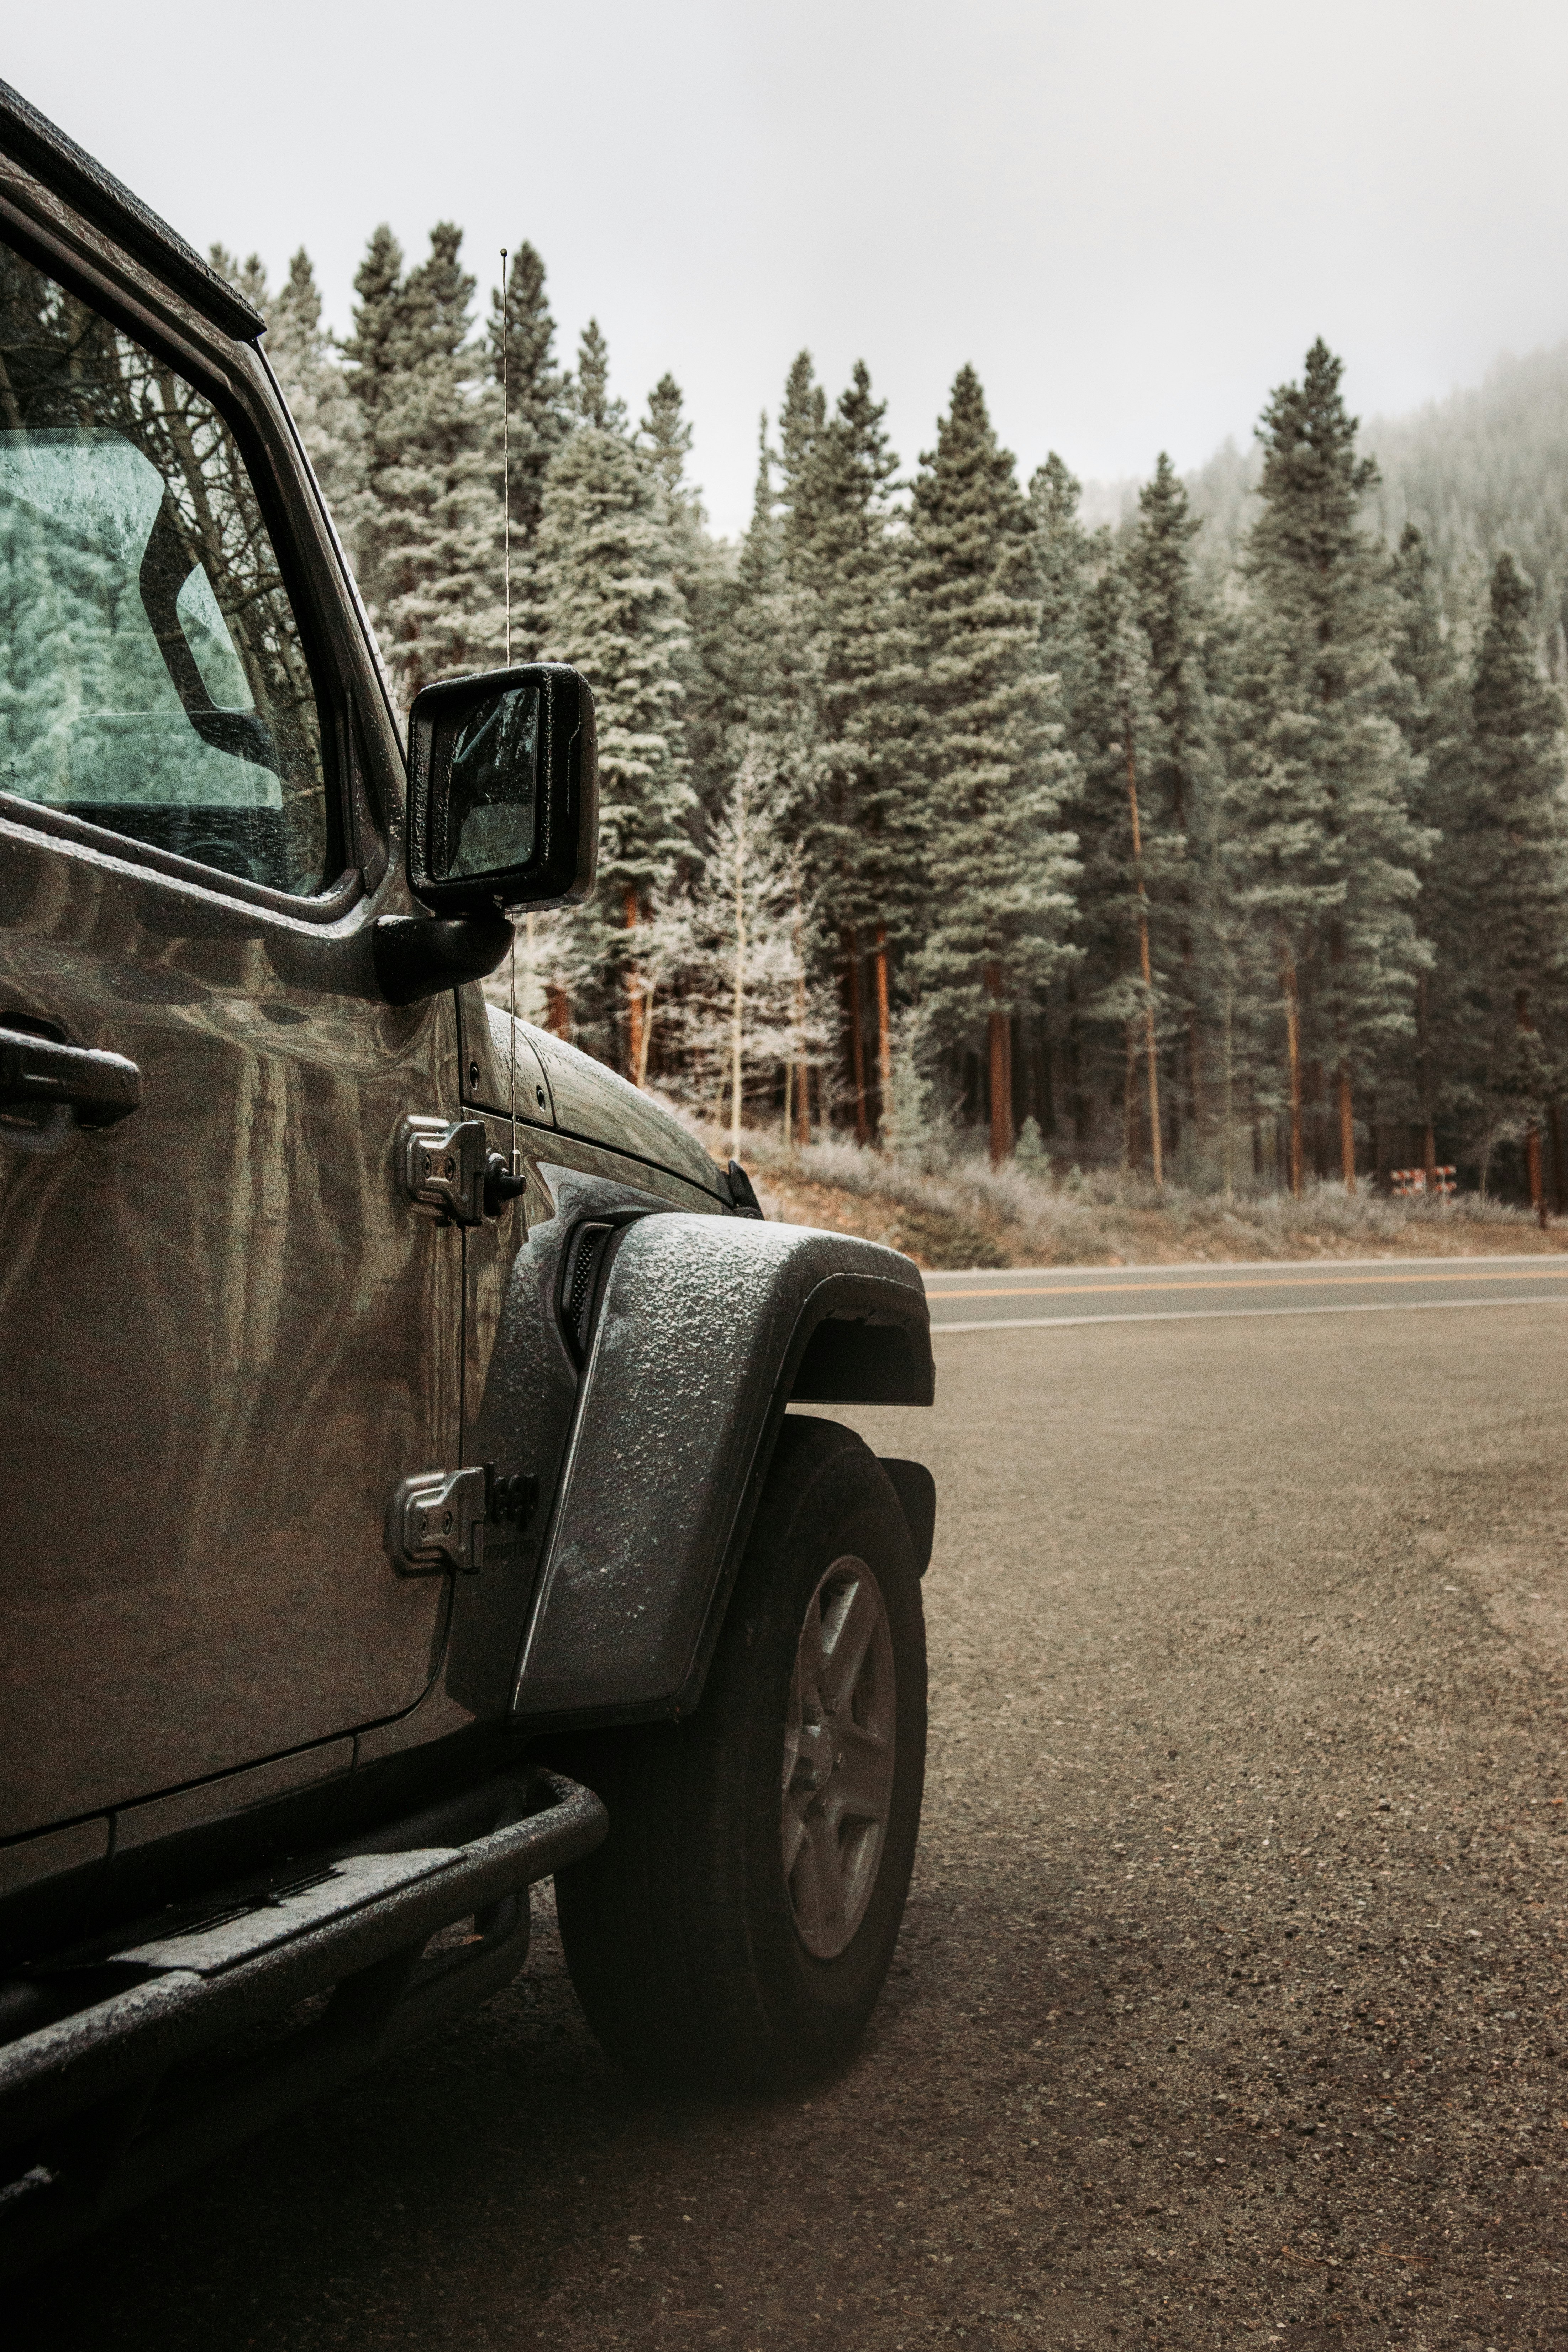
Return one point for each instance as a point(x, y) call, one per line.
point(838, 1753)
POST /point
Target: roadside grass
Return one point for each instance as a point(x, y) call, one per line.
point(966, 1213)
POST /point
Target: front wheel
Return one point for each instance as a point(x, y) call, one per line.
point(735, 1928)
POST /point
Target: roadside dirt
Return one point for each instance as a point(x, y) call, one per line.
point(936, 1238)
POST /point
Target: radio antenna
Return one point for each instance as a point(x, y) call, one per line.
point(506, 576)
point(505, 454)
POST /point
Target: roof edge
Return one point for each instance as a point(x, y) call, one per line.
point(41, 148)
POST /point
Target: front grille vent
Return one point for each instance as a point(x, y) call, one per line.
point(580, 1283)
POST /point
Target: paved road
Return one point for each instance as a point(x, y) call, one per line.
point(1022, 1295)
point(1230, 2006)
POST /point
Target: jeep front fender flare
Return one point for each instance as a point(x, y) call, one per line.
point(707, 1327)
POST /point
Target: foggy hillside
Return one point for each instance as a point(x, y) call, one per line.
point(1483, 470)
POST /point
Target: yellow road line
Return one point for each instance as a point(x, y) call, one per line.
point(1275, 1282)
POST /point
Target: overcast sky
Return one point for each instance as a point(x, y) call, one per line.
point(1132, 219)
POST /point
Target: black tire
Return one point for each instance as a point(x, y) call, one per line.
point(681, 1932)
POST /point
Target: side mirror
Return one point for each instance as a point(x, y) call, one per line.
point(503, 791)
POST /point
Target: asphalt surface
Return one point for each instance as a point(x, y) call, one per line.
point(1230, 2008)
point(1019, 1296)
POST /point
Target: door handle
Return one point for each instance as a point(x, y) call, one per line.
point(41, 1073)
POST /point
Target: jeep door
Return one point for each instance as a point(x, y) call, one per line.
point(225, 1336)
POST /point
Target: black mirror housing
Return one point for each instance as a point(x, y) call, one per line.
point(503, 790)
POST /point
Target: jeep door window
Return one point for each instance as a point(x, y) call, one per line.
point(151, 677)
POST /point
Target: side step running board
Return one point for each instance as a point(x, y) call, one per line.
point(103, 2106)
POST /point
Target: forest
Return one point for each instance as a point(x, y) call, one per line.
point(1223, 838)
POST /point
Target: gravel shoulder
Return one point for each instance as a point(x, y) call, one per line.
point(1229, 2008)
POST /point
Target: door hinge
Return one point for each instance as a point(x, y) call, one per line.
point(437, 1519)
point(443, 1168)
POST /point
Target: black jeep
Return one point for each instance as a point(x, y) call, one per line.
point(401, 1500)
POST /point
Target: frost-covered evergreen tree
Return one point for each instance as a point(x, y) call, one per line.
point(1433, 707)
point(593, 403)
point(614, 609)
point(987, 750)
point(1063, 550)
point(858, 827)
point(1181, 766)
point(803, 413)
point(1321, 802)
point(428, 542)
point(666, 435)
point(762, 700)
point(309, 368)
point(1512, 837)
point(538, 421)
point(1129, 868)
point(705, 575)
point(746, 1014)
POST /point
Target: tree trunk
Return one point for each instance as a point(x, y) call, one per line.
point(1131, 1153)
point(557, 1009)
point(1001, 1071)
point(1145, 966)
point(1197, 1107)
point(1227, 1139)
point(738, 1014)
point(1532, 1133)
point(1559, 1173)
point(635, 1058)
point(1293, 1058)
point(1347, 1128)
point(644, 1041)
point(884, 1033)
point(1423, 1064)
point(856, 1037)
point(802, 1079)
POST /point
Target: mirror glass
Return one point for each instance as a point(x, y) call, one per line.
point(491, 763)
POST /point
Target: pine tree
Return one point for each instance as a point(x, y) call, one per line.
point(764, 708)
point(537, 422)
point(1063, 552)
point(613, 608)
point(1128, 855)
point(377, 357)
point(705, 573)
point(592, 404)
point(1181, 755)
point(1515, 853)
point(666, 435)
point(429, 543)
point(306, 362)
point(1062, 566)
point(1433, 711)
point(988, 751)
point(1324, 799)
point(858, 828)
point(803, 413)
